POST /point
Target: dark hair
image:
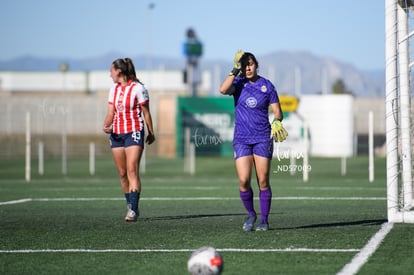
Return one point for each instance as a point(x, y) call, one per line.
point(244, 61)
point(127, 68)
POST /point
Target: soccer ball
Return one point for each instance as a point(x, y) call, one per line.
point(205, 261)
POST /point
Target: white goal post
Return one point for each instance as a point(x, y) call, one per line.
point(398, 111)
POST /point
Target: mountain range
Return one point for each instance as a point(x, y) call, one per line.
point(297, 72)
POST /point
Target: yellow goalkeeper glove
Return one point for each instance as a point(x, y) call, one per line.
point(279, 133)
point(237, 66)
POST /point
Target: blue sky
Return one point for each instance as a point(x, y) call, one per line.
point(350, 31)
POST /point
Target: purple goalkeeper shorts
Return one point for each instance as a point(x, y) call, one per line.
point(263, 149)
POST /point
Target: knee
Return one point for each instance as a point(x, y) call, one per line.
point(132, 173)
point(263, 184)
point(244, 185)
point(123, 175)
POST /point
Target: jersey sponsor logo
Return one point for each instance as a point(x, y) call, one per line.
point(251, 102)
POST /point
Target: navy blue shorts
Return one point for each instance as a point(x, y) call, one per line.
point(263, 149)
point(125, 140)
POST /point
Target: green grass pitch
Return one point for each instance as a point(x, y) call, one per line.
point(74, 224)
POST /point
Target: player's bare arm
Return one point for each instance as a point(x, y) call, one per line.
point(107, 127)
point(148, 121)
point(277, 111)
point(227, 87)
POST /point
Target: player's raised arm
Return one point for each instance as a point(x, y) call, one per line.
point(227, 87)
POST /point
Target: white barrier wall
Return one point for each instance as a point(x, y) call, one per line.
point(331, 124)
point(94, 81)
point(42, 82)
point(82, 115)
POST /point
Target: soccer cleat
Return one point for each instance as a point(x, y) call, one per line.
point(263, 226)
point(131, 216)
point(249, 223)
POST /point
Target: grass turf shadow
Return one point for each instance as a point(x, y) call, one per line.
point(337, 224)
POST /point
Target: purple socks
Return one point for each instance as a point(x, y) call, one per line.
point(265, 203)
point(247, 199)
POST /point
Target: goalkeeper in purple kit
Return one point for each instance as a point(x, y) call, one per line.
point(253, 133)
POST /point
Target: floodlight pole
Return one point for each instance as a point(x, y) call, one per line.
point(193, 50)
point(151, 7)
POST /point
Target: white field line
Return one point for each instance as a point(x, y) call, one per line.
point(362, 257)
point(187, 199)
point(15, 201)
point(178, 179)
point(312, 250)
point(335, 188)
point(116, 180)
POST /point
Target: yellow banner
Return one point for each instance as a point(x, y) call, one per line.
point(289, 103)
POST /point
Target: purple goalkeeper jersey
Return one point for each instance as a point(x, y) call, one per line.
point(251, 104)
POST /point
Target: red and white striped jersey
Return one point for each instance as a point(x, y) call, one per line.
point(127, 103)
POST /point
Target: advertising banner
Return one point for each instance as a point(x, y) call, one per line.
point(210, 121)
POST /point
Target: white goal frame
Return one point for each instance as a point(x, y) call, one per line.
point(398, 112)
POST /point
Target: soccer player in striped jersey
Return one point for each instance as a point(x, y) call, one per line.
point(253, 143)
point(128, 107)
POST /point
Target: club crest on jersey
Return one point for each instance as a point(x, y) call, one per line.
point(120, 107)
point(263, 89)
point(251, 102)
